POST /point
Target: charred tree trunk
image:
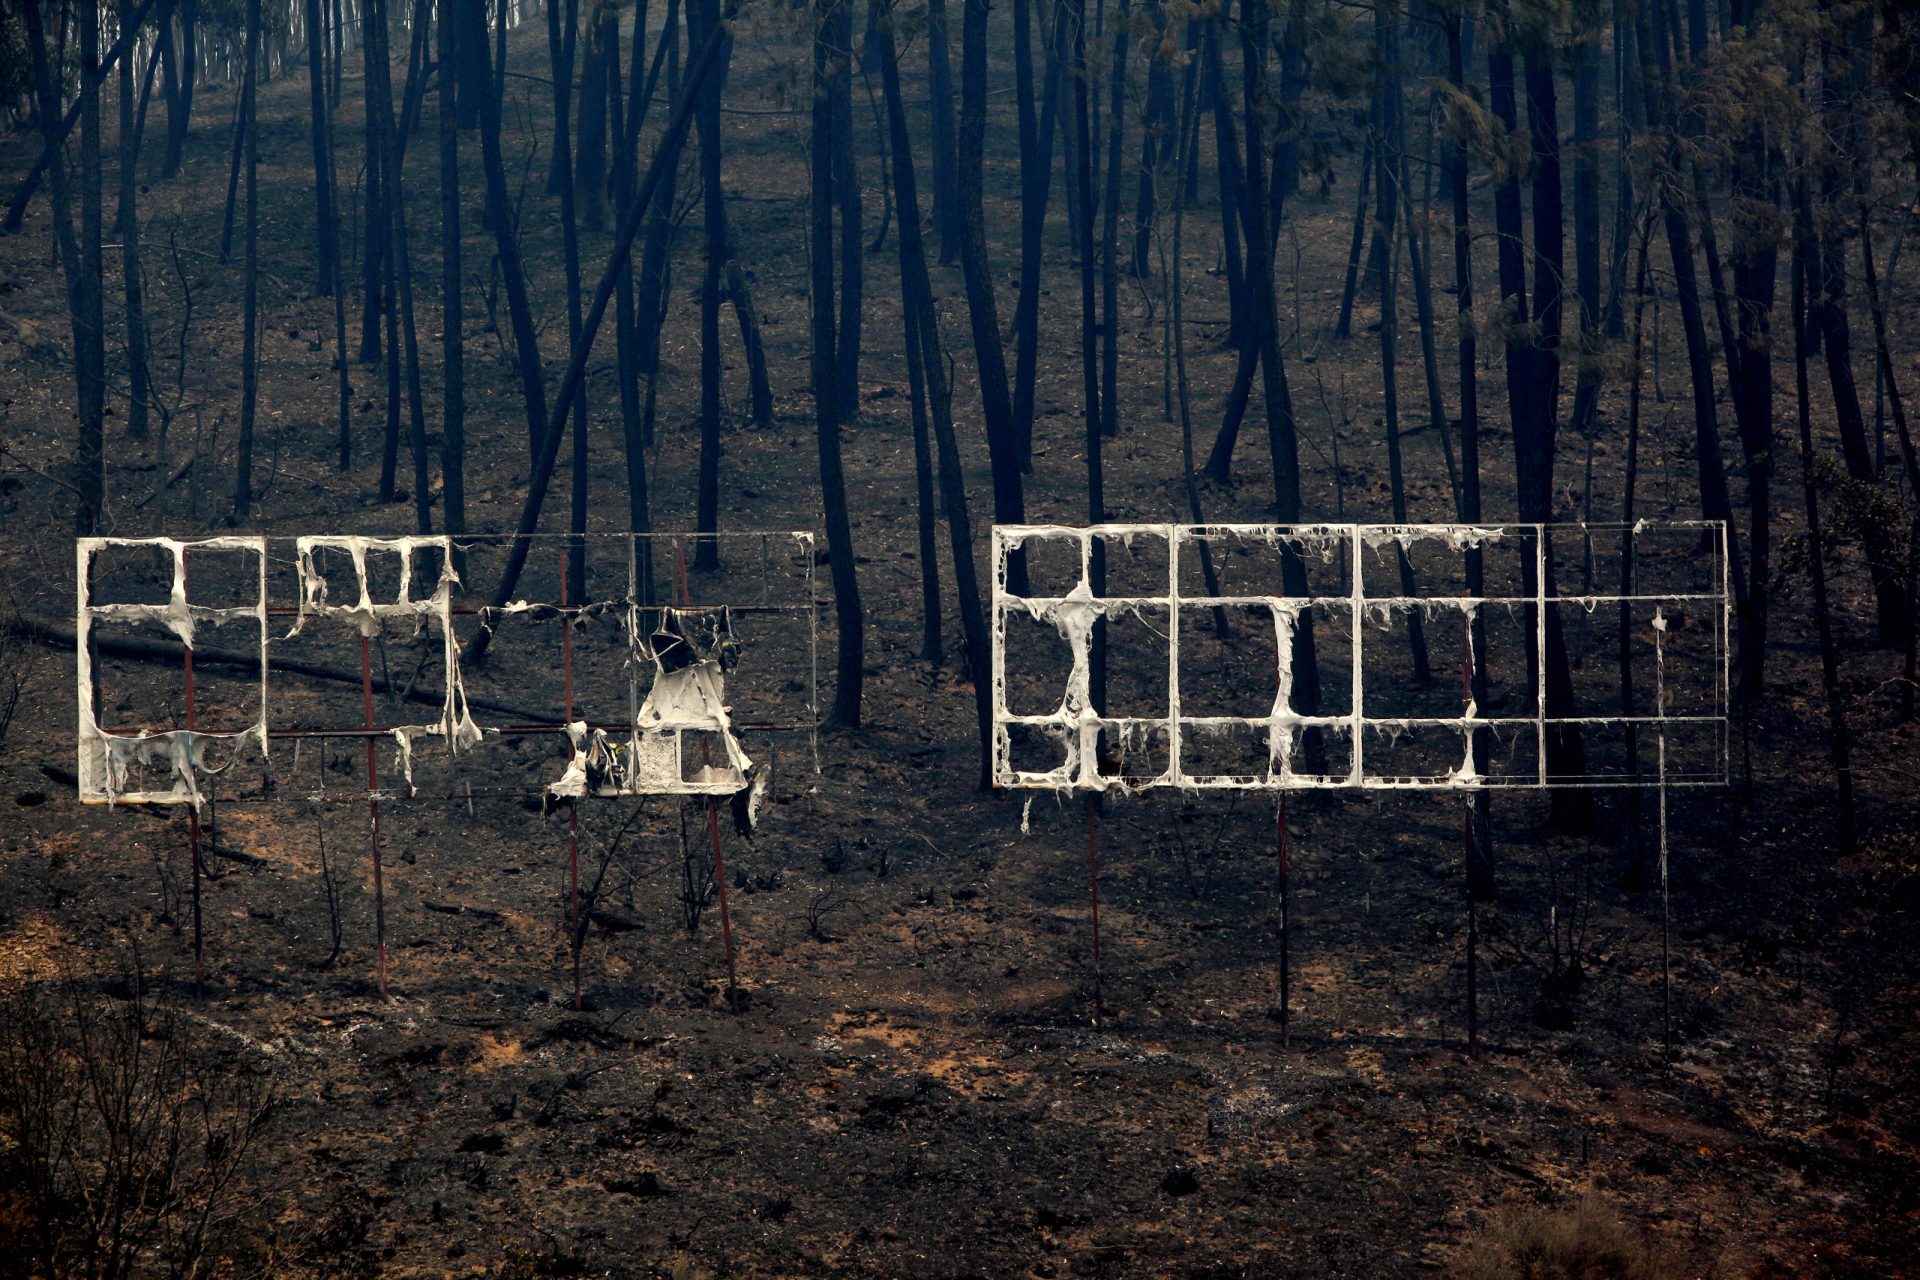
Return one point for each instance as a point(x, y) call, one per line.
point(400, 288)
point(1036, 184)
point(250, 280)
point(240, 144)
point(326, 245)
point(186, 54)
point(714, 213)
point(128, 229)
point(1283, 446)
point(932, 644)
point(846, 195)
point(90, 330)
point(1009, 505)
point(472, 82)
point(453, 354)
point(373, 257)
point(79, 257)
point(600, 67)
point(625, 131)
point(824, 369)
point(1841, 86)
point(1389, 113)
point(1080, 215)
point(917, 299)
point(1837, 743)
point(1110, 229)
point(1239, 294)
point(560, 53)
point(947, 215)
point(1715, 502)
point(666, 156)
point(1159, 142)
point(1343, 327)
point(650, 304)
point(506, 239)
point(1479, 877)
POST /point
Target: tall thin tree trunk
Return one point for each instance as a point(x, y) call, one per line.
point(714, 213)
point(846, 195)
point(1343, 327)
point(128, 229)
point(560, 54)
point(1009, 505)
point(250, 281)
point(650, 304)
point(625, 130)
point(1036, 183)
point(90, 327)
point(1110, 230)
point(917, 298)
point(824, 367)
point(1842, 84)
point(931, 642)
point(946, 182)
point(240, 144)
point(666, 155)
point(453, 355)
point(1389, 112)
point(1283, 446)
point(1080, 214)
point(1479, 871)
point(1837, 743)
point(373, 257)
point(506, 239)
point(326, 264)
point(598, 69)
point(1159, 142)
point(186, 50)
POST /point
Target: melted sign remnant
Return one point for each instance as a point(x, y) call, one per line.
point(1087, 751)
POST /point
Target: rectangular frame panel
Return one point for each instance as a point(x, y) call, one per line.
point(326, 587)
point(1368, 559)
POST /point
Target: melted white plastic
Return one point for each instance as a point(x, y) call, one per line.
point(1080, 729)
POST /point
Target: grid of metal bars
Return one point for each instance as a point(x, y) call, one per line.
point(1092, 747)
point(287, 592)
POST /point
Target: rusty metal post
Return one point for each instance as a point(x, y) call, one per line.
point(373, 813)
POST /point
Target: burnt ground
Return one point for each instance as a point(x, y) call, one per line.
point(915, 1081)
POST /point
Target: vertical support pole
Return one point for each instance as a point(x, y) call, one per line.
point(576, 927)
point(1093, 889)
point(1174, 770)
point(720, 887)
point(373, 814)
point(1470, 849)
point(1286, 923)
point(573, 811)
point(1357, 661)
point(193, 811)
point(713, 822)
point(1473, 950)
point(1666, 903)
point(1540, 644)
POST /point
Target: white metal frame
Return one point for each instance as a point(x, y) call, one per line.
point(104, 757)
point(645, 759)
point(1079, 728)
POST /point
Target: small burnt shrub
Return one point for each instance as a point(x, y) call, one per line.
point(125, 1138)
point(1584, 1242)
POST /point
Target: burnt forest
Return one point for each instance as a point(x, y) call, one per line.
point(935, 638)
